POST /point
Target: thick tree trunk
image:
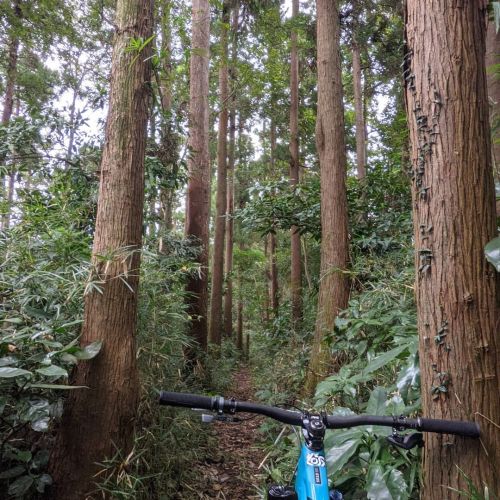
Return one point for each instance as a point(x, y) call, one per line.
point(228, 297)
point(493, 75)
point(198, 190)
point(214, 335)
point(359, 111)
point(100, 418)
point(330, 141)
point(454, 217)
point(296, 258)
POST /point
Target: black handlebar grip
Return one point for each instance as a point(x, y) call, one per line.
point(468, 429)
point(186, 400)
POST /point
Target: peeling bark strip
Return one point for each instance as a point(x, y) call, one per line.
point(330, 141)
point(454, 217)
point(100, 419)
point(198, 190)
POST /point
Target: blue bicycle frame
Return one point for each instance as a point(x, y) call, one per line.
point(311, 481)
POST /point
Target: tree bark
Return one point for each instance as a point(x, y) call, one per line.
point(359, 112)
point(215, 330)
point(100, 418)
point(228, 297)
point(11, 75)
point(168, 137)
point(8, 102)
point(198, 190)
point(239, 317)
point(493, 75)
point(273, 267)
point(457, 291)
point(296, 258)
point(330, 143)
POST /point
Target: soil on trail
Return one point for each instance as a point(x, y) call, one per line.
point(231, 473)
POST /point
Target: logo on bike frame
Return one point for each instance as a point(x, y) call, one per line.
point(315, 460)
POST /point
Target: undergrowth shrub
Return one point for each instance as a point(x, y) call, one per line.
point(374, 352)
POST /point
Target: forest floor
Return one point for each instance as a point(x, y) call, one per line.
point(232, 470)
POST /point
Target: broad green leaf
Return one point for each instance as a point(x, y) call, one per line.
point(376, 488)
point(24, 456)
point(338, 456)
point(20, 486)
point(42, 482)
point(41, 458)
point(409, 376)
point(395, 405)
point(376, 403)
point(52, 371)
point(14, 472)
point(397, 485)
point(90, 351)
point(384, 358)
point(9, 372)
point(8, 360)
point(496, 14)
point(41, 425)
point(69, 358)
point(339, 437)
point(492, 251)
point(387, 484)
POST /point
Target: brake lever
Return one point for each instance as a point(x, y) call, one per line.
point(407, 441)
point(208, 419)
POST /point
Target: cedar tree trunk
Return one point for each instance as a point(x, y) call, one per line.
point(198, 189)
point(454, 217)
point(100, 418)
point(359, 111)
point(330, 142)
point(228, 297)
point(214, 335)
point(296, 259)
point(273, 267)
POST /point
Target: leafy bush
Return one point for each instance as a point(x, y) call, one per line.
point(42, 273)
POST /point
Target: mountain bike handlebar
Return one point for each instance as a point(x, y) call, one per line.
point(222, 405)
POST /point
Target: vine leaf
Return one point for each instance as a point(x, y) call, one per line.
point(492, 252)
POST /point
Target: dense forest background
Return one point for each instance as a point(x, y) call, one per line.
point(304, 189)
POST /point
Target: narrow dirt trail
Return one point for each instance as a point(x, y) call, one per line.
point(232, 472)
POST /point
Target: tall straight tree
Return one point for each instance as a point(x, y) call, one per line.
point(215, 330)
point(273, 266)
point(8, 100)
point(198, 189)
point(228, 297)
point(330, 143)
point(100, 418)
point(296, 258)
point(454, 217)
point(359, 109)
